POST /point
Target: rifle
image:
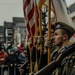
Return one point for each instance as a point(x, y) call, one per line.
point(48, 69)
point(24, 65)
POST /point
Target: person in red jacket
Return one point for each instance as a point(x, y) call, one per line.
point(21, 46)
point(3, 57)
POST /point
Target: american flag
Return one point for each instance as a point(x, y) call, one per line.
point(29, 14)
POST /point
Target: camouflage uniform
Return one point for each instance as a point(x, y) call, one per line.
point(68, 63)
point(69, 67)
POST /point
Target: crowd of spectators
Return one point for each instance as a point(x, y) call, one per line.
point(13, 56)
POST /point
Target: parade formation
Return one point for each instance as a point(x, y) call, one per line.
point(49, 48)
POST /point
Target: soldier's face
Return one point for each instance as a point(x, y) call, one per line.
point(58, 38)
point(46, 35)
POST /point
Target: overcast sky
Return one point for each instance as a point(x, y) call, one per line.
point(14, 8)
point(9, 9)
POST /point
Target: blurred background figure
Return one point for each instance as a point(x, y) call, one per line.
point(21, 46)
point(3, 58)
point(12, 61)
point(23, 57)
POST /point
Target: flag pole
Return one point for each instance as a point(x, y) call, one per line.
point(27, 42)
point(36, 34)
point(40, 28)
point(49, 28)
point(31, 61)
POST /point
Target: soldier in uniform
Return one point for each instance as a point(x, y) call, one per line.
point(43, 58)
point(62, 35)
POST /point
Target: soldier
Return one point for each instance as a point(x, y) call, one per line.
point(62, 34)
point(43, 58)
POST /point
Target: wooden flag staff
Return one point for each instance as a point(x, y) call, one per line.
point(49, 28)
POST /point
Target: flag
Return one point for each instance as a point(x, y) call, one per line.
point(60, 12)
point(28, 8)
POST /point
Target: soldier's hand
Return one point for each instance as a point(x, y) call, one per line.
point(40, 40)
point(48, 43)
point(35, 39)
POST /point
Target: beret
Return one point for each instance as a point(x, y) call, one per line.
point(64, 26)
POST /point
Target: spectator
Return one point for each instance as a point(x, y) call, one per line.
point(12, 61)
point(10, 45)
point(17, 52)
point(23, 57)
point(2, 44)
point(21, 46)
point(3, 57)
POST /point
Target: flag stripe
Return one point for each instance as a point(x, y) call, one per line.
point(28, 28)
point(33, 29)
point(31, 22)
point(29, 7)
point(31, 13)
point(30, 19)
point(25, 5)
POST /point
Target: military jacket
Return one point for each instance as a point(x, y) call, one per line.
point(67, 65)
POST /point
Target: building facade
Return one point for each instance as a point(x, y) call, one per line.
point(8, 32)
point(1, 33)
point(19, 30)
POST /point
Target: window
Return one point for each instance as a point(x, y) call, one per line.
point(9, 30)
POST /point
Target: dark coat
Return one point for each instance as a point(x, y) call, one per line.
point(12, 59)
